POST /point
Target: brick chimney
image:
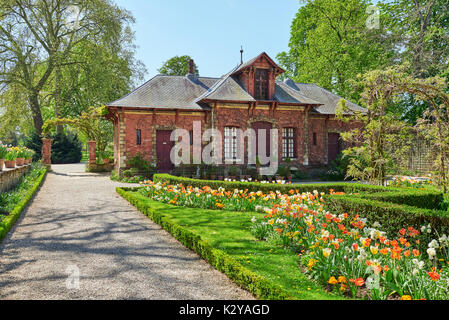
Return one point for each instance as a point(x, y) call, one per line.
point(191, 66)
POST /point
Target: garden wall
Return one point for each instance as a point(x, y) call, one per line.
point(10, 177)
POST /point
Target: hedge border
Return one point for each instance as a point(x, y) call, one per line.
point(390, 215)
point(426, 199)
point(257, 186)
point(7, 223)
point(223, 262)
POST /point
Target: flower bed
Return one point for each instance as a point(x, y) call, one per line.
point(348, 254)
point(223, 238)
point(208, 198)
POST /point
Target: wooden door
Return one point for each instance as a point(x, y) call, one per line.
point(258, 126)
point(163, 149)
point(333, 146)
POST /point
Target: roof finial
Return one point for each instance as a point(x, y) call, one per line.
point(241, 54)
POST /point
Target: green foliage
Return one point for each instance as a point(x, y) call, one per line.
point(3, 150)
point(177, 66)
point(14, 201)
point(266, 187)
point(338, 169)
point(66, 148)
point(381, 142)
point(91, 124)
point(34, 142)
point(420, 30)
point(330, 44)
point(396, 215)
point(142, 165)
point(301, 175)
point(52, 68)
point(234, 171)
point(224, 239)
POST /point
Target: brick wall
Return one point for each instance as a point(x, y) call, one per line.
point(10, 177)
point(223, 115)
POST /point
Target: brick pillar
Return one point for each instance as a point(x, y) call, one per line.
point(306, 137)
point(92, 152)
point(46, 151)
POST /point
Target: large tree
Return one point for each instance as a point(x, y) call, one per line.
point(40, 38)
point(420, 31)
point(330, 44)
point(177, 66)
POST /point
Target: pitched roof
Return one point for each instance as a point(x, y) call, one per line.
point(285, 93)
point(250, 62)
point(167, 92)
point(228, 89)
point(329, 101)
point(187, 92)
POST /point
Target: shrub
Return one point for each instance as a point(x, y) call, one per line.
point(3, 150)
point(393, 216)
point(141, 165)
point(34, 142)
point(66, 148)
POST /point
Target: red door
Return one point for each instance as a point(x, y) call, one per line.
point(163, 149)
point(334, 146)
point(258, 126)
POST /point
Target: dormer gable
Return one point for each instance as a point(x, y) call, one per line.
point(258, 76)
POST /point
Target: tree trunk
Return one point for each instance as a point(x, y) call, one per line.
point(36, 113)
point(57, 95)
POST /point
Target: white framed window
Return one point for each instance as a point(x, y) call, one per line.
point(230, 143)
point(288, 143)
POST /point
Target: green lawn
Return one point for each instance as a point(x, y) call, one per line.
point(229, 232)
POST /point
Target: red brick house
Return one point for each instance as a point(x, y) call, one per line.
point(249, 96)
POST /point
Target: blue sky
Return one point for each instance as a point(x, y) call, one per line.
point(210, 31)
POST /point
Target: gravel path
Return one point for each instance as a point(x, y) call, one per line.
point(77, 222)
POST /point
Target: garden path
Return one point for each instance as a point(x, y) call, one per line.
point(77, 222)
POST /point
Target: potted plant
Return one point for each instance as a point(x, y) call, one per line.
point(20, 156)
point(213, 173)
point(3, 152)
point(10, 158)
point(28, 155)
point(233, 172)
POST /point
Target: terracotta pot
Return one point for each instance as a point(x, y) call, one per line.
point(29, 160)
point(106, 161)
point(20, 162)
point(1, 164)
point(10, 164)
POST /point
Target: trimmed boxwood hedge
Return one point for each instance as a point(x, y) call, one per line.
point(7, 223)
point(392, 216)
point(265, 187)
point(428, 199)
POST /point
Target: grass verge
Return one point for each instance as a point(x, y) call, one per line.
point(224, 240)
point(26, 190)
